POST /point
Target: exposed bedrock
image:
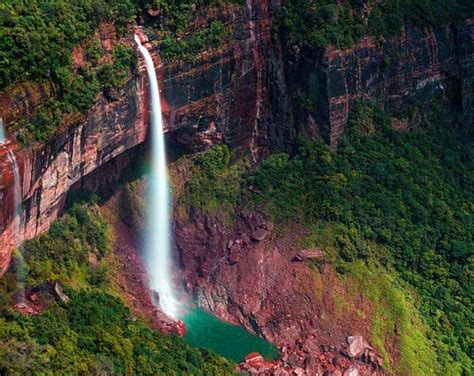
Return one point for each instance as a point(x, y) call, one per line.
point(254, 281)
point(214, 99)
point(411, 69)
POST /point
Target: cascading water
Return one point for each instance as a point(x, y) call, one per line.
point(2, 132)
point(20, 267)
point(19, 262)
point(158, 247)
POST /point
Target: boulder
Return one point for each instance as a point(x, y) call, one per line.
point(180, 328)
point(379, 362)
point(234, 258)
point(357, 346)
point(254, 360)
point(58, 290)
point(299, 371)
point(260, 234)
point(352, 371)
point(309, 254)
point(236, 248)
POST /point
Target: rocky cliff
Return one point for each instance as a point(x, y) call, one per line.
point(402, 73)
point(255, 94)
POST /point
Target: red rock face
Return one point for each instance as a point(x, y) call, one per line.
point(414, 66)
point(47, 173)
point(218, 98)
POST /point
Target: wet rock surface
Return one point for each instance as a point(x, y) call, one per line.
point(131, 277)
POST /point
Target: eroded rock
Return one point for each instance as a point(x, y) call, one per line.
point(357, 346)
point(260, 234)
point(352, 371)
point(309, 254)
point(58, 290)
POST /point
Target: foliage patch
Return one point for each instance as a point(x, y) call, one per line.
point(324, 22)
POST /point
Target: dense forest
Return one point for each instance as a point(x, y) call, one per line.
point(324, 22)
point(37, 38)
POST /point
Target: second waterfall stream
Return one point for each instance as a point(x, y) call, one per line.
point(158, 252)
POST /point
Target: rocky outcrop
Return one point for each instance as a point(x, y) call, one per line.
point(409, 69)
point(47, 173)
point(309, 254)
point(257, 285)
point(300, 361)
point(266, 292)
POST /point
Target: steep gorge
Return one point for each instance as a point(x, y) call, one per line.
point(252, 94)
point(256, 94)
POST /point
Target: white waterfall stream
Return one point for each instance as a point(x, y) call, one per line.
point(2, 132)
point(20, 268)
point(157, 241)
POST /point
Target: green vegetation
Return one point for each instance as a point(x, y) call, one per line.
point(76, 93)
point(323, 22)
point(213, 36)
point(396, 320)
point(37, 38)
point(394, 317)
point(180, 37)
point(93, 333)
point(410, 193)
point(63, 253)
point(214, 184)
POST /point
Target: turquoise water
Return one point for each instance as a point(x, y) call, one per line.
point(230, 341)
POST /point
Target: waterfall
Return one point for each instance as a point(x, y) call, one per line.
point(157, 240)
point(19, 262)
point(20, 267)
point(2, 132)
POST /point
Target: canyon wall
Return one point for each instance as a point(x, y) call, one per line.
point(254, 93)
point(406, 71)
